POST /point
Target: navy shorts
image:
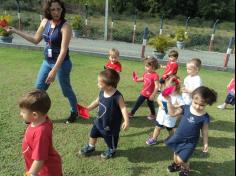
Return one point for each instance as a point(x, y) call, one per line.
point(162, 81)
point(110, 139)
point(230, 99)
point(162, 126)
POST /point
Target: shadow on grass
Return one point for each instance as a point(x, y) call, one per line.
point(141, 122)
point(136, 171)
point(221, 142)
point(130, 104)
point(222, 126)
point(210, 168)
point(146, 154)
point(78, 120)
point(147, 132)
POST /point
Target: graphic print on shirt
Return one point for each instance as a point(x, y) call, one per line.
point(101, 109)
point(191, 119)
point(147, 82)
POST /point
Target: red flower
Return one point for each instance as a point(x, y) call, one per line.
point(3, 23)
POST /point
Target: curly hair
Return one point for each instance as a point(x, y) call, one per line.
point(48, 4)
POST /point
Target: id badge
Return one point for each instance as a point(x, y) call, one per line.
point(49, 52)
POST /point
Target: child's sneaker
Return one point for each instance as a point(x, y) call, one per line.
point(86, 150)
point(130, 115)
point(151, 141)
point(184, 172)
point(222, 106)
point(72, 117)
point(174, 168)
point(108, 154)
point(151, 117)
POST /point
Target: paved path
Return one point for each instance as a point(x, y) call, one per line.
point(133, 51)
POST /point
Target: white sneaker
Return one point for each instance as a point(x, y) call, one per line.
point(151, 117)
point(222, 106)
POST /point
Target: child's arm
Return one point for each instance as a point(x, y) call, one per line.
point(93, 105)
point(160, 103)
point(172, 111)
point(139, 79)
point(36, 167)
point(205, 137)
point(152, 97)
point(124, 112)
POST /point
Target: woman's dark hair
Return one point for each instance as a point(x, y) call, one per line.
point(208, 95)
point(110, 77)
point(48, 4)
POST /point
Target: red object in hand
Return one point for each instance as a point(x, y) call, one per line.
point(83, 112)
point(135, 76)
point(3, 23)
point(168, 91)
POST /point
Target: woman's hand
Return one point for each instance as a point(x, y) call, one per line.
point(51, 77)
point(125, 125)
point(205, 148)
point(10, 29)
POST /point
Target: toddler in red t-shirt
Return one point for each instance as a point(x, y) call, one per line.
point(171, 67)
point(113, 62)
point(150, 81)
point(41, 158)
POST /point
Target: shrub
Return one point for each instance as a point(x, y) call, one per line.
point(76, 22)
point(160, 43)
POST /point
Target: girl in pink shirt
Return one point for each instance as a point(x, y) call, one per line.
point(150, 81)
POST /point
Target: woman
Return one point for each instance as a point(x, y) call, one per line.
point(56, 32)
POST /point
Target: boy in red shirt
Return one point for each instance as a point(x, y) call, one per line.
point(113, 62)
point(171, 67)
point(150, 81)
point(41, 158)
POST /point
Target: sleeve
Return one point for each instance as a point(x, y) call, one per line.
point(42, 142)
point(180, 100)
point(159, 97)
point(119, 67)
point(156, 77)
point(197, 83)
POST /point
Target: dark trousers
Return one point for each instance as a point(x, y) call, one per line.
point(230, 99)
point(140, 101)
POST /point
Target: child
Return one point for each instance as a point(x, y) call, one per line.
point(40, 156)
point(186, 137)
point(193, 80)
point(111, 108)
point(171, 67)
point(164, 120)
point(150, 81)
point(230, 99)
point(113, 62)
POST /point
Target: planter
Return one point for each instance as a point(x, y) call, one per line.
point(6, 39)
point(180, 45)
point(75, 33)
point(158, 55)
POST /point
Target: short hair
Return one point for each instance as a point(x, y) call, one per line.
point(47, 12)
point(110, 77)
point(152, 62)
point(208, 95)
point(114, 51)
point(196, 62)
point(173, 53)
point(36, 101)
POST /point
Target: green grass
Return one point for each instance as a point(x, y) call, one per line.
point(18, 70)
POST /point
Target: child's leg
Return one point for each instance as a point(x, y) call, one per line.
point(137, 104)
point(92, 141)
point(156, 132)
point(112, 142)
point(151, 107)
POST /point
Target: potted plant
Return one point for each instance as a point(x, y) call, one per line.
point(77, 25)
point(180, 37)
point(160, 43)
point(5, 37)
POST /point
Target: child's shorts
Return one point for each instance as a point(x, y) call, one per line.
point(162, 81)
point(230, 99)
point(110, 139)
point(162, 126)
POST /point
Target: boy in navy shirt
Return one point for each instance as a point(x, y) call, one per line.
point(195, 119)
point(111, 108)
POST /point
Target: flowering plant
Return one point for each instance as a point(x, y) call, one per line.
point(4, 22)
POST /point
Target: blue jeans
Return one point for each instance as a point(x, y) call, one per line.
point(63, 77)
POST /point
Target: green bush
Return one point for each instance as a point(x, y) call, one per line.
point(160, 43)
point(76, 22)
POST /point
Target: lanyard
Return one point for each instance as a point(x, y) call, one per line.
point(51, 33)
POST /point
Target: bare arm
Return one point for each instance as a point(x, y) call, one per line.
point(36, 167)
point(205, 137)
point(124, 112)
point(139, 79)
point(152, 97)
point(93, 105)
point(172, 111)
point(33, 39)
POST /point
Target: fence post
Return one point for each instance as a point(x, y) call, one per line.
point(86, 20)
point(187, 25)
point(112, 22)
point(161, 28)
point(211, 45)
point(228, 52)
point(145, 36)
point(135, 25)
point(40, 15)
point(19, 15)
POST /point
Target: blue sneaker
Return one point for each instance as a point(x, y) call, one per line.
point(108, 154)
point(86, 150)
point(151, 141)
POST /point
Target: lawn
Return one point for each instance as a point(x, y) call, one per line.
point(18, 70)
